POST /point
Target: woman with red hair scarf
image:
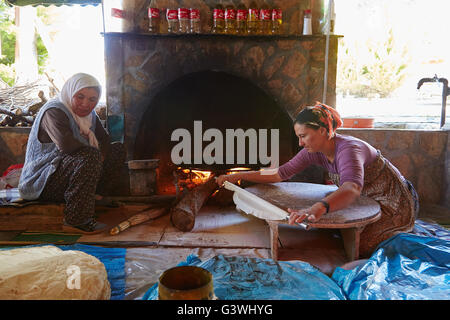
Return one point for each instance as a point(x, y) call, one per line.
point(354, 166)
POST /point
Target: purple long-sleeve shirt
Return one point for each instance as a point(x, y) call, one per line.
point(352, 154)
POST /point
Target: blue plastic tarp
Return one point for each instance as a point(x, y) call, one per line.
point(404, 267)
point(243, 278)
point(114, 261)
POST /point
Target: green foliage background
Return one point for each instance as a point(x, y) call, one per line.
point(8, 41)
point(8, 38)
point(378, 75)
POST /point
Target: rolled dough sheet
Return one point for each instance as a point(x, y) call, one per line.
point(254, 205)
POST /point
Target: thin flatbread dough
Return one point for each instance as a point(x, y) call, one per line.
point(254, 205)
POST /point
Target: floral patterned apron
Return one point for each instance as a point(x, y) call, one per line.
point(398, 202)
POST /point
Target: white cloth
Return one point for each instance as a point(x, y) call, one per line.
point(73, 85)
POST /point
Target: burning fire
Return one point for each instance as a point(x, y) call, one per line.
point(197, 176)
point(190, 178)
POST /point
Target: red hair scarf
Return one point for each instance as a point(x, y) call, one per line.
point(327, 117)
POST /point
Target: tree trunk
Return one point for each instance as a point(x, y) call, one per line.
point(26, 53)
point(44, 32)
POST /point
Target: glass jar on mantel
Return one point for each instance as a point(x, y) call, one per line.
point(135, 15)
point(317, 8)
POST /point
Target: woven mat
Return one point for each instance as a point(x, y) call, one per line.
point(39, 237)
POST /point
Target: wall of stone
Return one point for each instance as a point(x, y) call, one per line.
point(290, 69)
point(446, 201)
point(13, 144)
point(421, 156)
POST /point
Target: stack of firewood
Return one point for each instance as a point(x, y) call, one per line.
point(18, 106)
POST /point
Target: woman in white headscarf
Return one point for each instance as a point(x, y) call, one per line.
point(69, 156)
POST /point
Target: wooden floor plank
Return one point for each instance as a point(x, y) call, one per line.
point(220, 227)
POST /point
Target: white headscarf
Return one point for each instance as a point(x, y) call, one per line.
point(73, 85)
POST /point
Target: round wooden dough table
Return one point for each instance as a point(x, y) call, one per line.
point(298, 195)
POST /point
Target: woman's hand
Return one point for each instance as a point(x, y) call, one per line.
point(233, 178)
point(339, 199)
point(311, 214)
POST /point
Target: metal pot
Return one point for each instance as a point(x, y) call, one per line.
point(186, 283)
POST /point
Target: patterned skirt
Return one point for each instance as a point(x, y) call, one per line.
point(398, 202)
point(79, 177)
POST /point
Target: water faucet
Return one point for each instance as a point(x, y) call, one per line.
point(445, 93)
point(423, 80)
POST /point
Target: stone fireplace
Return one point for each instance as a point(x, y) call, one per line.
point(158, 83)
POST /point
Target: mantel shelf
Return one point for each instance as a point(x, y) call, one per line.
point(218, 36)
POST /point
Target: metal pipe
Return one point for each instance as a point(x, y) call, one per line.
point(327, 50)
point(445, 93)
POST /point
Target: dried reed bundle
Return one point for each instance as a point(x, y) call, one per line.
point(138, 219)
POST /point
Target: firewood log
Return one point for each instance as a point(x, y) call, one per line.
point(34, 108)
point(14, 117)
point(184, 212)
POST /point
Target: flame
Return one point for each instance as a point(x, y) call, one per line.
point(191, 178)
point(200, 176)
point(234, 170)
